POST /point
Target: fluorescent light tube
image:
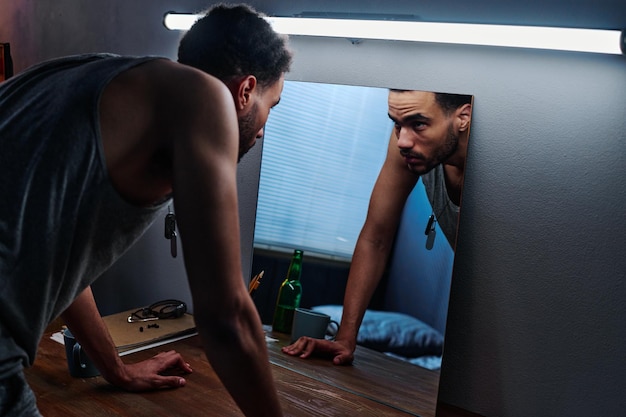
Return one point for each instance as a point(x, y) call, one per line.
point(565, 39)
point(179, 21)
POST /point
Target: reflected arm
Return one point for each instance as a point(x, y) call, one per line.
point(373, 247)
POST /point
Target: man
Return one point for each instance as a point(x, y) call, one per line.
point(431, 132)
point(91, 149)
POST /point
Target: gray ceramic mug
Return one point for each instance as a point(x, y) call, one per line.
point(310, 323)
point(78, 363)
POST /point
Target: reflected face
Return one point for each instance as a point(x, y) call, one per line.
point(252, 122)
point(426, 135)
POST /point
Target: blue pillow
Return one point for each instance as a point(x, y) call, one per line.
point(398, 333)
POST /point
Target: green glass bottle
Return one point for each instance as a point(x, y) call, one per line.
point(289, 295)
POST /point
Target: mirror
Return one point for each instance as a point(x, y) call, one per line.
point(323, 149)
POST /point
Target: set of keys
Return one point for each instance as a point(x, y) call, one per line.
point(170, 231)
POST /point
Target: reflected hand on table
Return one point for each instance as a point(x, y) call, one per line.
point(160, 371)
point(342, 352)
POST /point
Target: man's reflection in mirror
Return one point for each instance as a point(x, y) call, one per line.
point(429, 141)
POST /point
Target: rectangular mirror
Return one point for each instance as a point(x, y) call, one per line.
point(323, 150)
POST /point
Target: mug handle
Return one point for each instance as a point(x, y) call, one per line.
point(336, 330)
point(77, 361)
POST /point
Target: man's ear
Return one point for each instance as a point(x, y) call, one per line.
point(246, 87)
point(464, 115)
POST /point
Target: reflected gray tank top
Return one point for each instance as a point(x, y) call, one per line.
point(445, 210)
point(61, 221)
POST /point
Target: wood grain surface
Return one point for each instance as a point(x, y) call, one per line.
point(375, 385)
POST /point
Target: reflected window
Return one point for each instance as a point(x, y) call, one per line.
point(325, 144)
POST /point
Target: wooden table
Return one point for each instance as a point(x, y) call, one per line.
point(375, 385)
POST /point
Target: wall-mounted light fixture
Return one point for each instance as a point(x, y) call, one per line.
point(564, 39)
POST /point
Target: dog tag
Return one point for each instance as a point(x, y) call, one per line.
point(430, 240)
point(170, 232)
point(170, 225)
point(430, 225)
point(173, 247)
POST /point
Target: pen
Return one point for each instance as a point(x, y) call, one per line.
point(255, 282)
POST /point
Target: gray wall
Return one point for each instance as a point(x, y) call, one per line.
point(536, 322)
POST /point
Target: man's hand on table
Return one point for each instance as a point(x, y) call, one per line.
point(160, 371)
point(341, 352)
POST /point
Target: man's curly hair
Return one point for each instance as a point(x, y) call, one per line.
point(236, 40)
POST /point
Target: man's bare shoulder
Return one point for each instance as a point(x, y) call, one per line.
point(166, 67)
point(170, 79)
point(165, 93)
point(145, 110)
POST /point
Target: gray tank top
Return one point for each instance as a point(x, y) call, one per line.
point(61, 221)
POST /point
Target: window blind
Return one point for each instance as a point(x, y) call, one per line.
point(323, 148)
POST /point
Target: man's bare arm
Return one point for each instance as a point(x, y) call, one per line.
point(205, 196)
point(83, 319)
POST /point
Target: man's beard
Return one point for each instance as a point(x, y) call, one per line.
point(441, 155)
point(247, 130)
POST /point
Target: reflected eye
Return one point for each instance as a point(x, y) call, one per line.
point(418, 125)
